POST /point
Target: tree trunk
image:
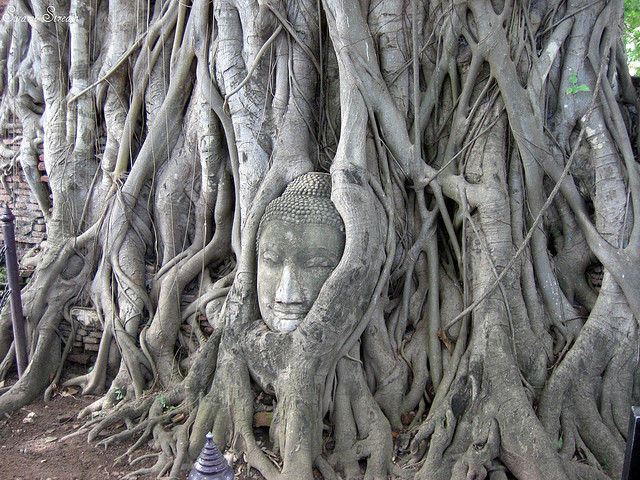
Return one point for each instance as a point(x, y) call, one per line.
point(482, 320)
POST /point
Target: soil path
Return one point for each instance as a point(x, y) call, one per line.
point(31, 445)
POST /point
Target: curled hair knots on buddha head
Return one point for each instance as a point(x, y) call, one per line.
point(307, 199)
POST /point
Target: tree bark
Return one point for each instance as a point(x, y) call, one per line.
point(482, 321)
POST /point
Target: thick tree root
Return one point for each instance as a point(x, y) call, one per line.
point(481, 159)
point(361, 430)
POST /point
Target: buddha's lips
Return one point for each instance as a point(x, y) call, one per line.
point(290, 312)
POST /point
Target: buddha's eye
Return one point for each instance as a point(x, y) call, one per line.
point(320, 262)
point(271, 258)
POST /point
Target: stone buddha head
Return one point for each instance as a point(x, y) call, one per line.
point(300, 242)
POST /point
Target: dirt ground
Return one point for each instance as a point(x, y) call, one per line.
point(32, 445)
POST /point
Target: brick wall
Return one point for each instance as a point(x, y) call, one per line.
point(29, 224)
point(15, 192)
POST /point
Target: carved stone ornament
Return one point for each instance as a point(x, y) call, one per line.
point(300, 242)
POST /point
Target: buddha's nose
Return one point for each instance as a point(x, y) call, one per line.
point(288, 290)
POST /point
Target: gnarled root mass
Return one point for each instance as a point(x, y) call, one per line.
point(483, 319)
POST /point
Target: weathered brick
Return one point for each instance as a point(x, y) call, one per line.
point(86, 316)
point(81, 358)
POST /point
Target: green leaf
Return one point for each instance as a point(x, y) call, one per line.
point(573, 78)
point(119, 393)
point(560, 442)
point(578, 88)
point(632, 32)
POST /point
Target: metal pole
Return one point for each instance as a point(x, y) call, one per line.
point(631, 467)
point(19, 336)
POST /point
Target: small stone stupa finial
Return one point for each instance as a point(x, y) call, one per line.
point(211, 465)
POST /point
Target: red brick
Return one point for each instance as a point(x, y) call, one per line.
point(29, 223)
point(81, 358)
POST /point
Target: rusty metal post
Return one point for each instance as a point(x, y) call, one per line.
point(19, 335)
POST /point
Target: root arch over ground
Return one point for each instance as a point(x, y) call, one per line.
point(482, 322)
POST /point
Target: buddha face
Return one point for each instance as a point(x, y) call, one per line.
point(294, 261)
